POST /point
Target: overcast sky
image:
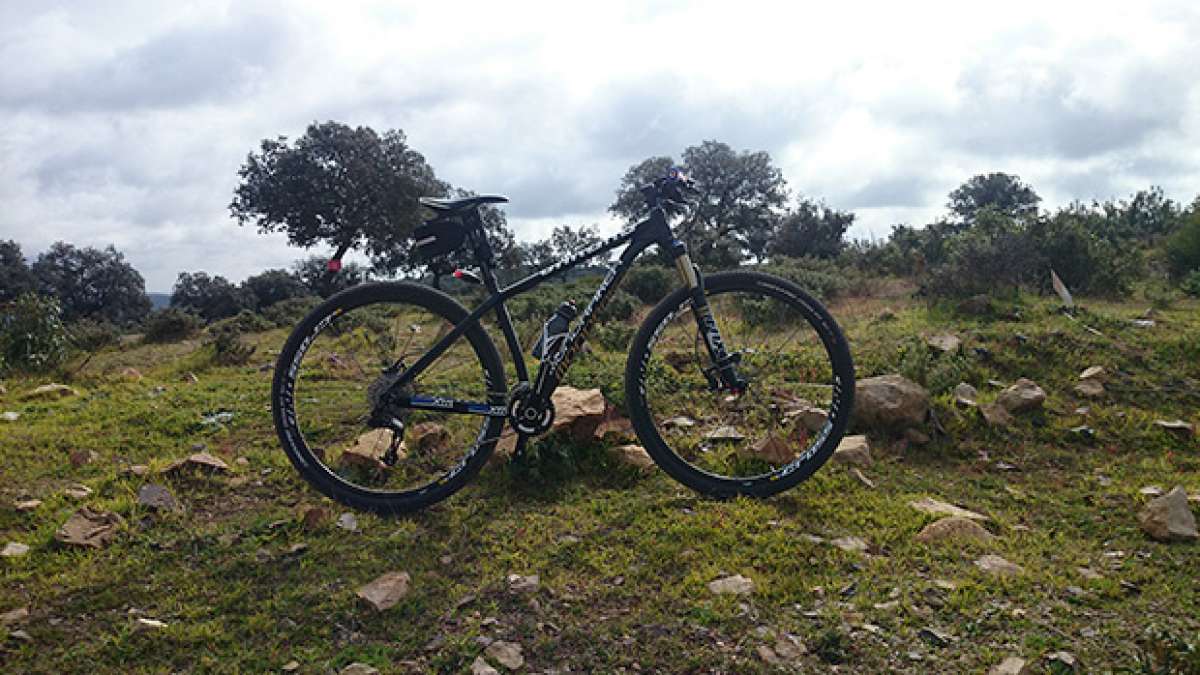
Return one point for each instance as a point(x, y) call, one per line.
point(126, 122)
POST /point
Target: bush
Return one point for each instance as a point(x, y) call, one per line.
point(228, 349)
point(613, 336)
point(621, 307)
point(287, 313)
point(823, 279)
point(1087, 263)
point(1183, 247)
point(1191, 284)
point(650, 283)
point(90, 336)
point(995, 253)
point(32, 334)
point(171, 325)
point(244, 321)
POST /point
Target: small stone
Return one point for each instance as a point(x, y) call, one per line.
point(14, 549)
point(523, 584)
point(995, 415)
point(851, 544)
point(936, 507)
point(190, 378)
point(890, 401)
point(242, 461)
point(386, 591)
point(725, 434)
point(1090, 388)
point(314, 517)
point(21, 635)
point(994, 564)
point(858, 474)
point(1176, 426)
point(768, 655)
point(1011, 665)
point(83, 457)
point(1151, 491)
point(855, 450)
point(507, 654)
point(50, 392)
point(28, 504)
point(145, 623)
point(680, 423)
point(773, 449)
point(481, 667)
point(358, 668)
point(347, 521)
point(202, 461)
point(965, 395)
point(17, 615)
point(131, 374)
point(78, 492)
point(1169, 518)
point(1089, 574)
point(945, 343)
point(291, 666)
point(10, 416)
point(934, 637)
point(808, 416)
point(1093, 372)
point(427, 437)
point(634, 456)
point(732, 585)
point(789, 647)
point(1064, 660)
point(953, 528)
point(1023, 395)
point(157, 498)
point(139, 470)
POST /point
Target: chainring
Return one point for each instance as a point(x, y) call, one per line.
point(527, 415)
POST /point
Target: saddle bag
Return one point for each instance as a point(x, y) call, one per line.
point(439, 237)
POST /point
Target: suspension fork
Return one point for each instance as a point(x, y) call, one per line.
point(723, 371)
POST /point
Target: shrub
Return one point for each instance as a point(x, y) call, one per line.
point(287, 313)
point(91, 336)
point(1183, 247)
point(650, 283)
point(32, 334)
point(244, 321)
point(171, 325)
point(613, 336)
point(823, 279)
point(228, 348)
point(995, 253)
point(621, 307)
point(1191, 284)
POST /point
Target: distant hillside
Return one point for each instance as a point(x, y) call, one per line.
point(159, 300)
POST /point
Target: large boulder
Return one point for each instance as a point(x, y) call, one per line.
point(890, 401)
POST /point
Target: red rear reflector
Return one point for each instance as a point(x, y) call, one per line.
point(458, 274)
point(334, 265)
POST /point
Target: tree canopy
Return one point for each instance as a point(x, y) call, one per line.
point(92, 283)
point(15, 277)
point(336, 185)
point(1002, 192)
point(210, 297)
point(811, 229)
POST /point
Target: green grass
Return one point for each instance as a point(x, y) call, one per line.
point(623, 560)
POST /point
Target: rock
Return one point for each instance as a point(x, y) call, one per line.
point(886, 314)
point(144, 624)
point(945, 343)
point(851, 544)
point(131, 374)
point(78, 491)
point(14, 549)
point(358, 668)
point(386, 591)
point(198, 461)
point(679, 423)
point(1176, 426)
point(427, 437)
point(139, 470)
point(157, 498)
point(83, 457)
point(768, 655)
point(507, 654)
point(89, 528)
point(190, 378)
point(1022, 395)
point(939, 508)
point(733, 585)
point(291, 666)
point(1091, 388)
point(934, 637)
point(17, 615)
point(1169, 518)
point(1064, 660)
point(481, 667)
point(808, 416)
point(523, 584)
point(1011, 665)
point(368, 450)
point(347, 521)
point(1151, 491)
point(314, 517)
point(21, 635)
point(994, 564)
point(28, 504)
point(890, 401)
point(916, 437)
point(10, 416)
point(725, 434)
point(633, 455)
point(995, 415)
point(1093, 372)
point(1089, 574)
point(965, 395)
point(50, 392)
point(854, 450)
point(953, 528)
point(578, 412)
point(789, 647)
point(772, 449)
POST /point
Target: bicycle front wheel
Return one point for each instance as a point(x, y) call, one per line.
point(781, 427)
point(330, 379)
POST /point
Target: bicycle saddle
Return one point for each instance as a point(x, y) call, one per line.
point(455, 205)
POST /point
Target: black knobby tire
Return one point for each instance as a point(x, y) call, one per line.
point(840, 365)
point(311, 466)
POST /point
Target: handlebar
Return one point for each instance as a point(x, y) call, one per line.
point(670, 188)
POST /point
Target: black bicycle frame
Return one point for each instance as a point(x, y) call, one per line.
point(653, 230)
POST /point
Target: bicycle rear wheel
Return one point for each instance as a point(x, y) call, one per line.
point(776, 432)
point(329, 379)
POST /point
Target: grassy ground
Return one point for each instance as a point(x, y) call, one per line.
point(624, 559)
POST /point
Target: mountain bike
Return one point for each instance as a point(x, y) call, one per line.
point(391, 396)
